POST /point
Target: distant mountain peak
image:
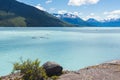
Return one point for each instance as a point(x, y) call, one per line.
point(65, 15)
point(92, 20)
point(112, 20)
point(71, 18)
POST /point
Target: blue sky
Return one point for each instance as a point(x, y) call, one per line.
point(98, 9)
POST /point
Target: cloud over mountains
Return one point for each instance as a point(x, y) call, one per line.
point(82, 2)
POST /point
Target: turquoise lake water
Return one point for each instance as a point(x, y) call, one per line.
point(73, 48)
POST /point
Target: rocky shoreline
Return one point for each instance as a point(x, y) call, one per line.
point(105, 71)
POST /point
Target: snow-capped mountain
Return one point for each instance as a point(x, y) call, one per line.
point(112, 22)
point(104, 23)
point(71, 18)
point(66, 15)
point(93, 22)
point(76, 20)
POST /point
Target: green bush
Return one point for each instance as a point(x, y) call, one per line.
point(31, 70)
point(54, 77)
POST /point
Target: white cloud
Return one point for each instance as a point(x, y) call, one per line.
point(93, 15)
point(82, 2)
point(65, 11)
point(77, 13)
point(112, 17)
point(62, 11)
point(52, 9)
point(40, 7)
point(70, 14)
point(48, 1)
point(112, 14)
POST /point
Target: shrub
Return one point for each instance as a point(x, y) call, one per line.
point(54, 77)
point(31, 70)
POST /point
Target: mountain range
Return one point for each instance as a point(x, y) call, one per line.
point(70, 18)
point(104, 23)
point(17, 14)
point(14, 13)
point(91, 22)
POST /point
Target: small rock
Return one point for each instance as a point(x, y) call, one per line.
point(52, 68)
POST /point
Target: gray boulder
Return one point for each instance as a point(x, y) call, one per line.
point(52, 69)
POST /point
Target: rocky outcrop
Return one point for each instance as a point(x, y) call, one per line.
point(52, 68)
point(106, 71)
point(15, 76)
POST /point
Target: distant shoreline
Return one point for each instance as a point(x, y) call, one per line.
point(71, 29)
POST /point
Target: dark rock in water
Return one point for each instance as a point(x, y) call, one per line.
point(52, 68)
point(33, 37)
